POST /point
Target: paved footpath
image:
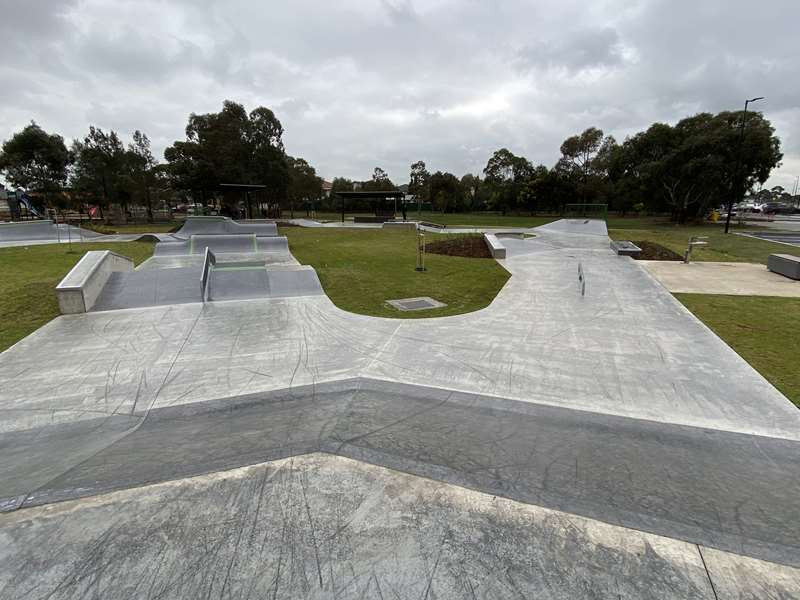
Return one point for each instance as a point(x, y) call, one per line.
point(733, 278)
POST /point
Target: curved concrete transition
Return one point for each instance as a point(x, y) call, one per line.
point(41, 232)
point(225, 226)
point(219, 244)
point(558, 429)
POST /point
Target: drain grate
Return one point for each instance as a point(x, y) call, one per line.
point(422, 303)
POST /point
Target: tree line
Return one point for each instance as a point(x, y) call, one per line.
point(228, 147)
point(682, 169)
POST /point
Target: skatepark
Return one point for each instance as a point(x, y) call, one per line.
point(211, 423)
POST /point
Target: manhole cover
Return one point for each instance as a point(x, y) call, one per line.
point(423, 303)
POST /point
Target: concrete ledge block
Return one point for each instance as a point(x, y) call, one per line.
point(625, 248)
point(410, 225)
point(79, 290)
point(784, 264)
point(495, 246)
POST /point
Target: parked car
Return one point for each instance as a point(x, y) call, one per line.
point(778, 208)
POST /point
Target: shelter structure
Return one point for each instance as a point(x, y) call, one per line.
point(253, 195)
point(383, 202)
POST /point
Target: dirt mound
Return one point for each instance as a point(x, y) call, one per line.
point(470, 246)
point(653, 251)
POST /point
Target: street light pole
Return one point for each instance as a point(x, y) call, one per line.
point(735, 186)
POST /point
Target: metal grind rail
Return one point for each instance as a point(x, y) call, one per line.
point(209, 262)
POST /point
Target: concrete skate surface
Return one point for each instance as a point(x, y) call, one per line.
point(617, 405)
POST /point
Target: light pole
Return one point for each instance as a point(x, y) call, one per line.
point(735, 186)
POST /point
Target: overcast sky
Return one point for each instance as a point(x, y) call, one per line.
point(359, 84)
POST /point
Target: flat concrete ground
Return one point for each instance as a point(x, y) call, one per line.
point(617, 405)
point(738, 279)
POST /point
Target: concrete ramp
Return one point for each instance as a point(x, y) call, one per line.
point(576, 226)
point(241, 282)
point(228, 281)
point(225, 226)
point(156, 287)
point(223, 244)
point(41, 230)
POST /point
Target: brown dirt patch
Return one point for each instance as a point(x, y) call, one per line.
point(653, 251)
point(470, 246)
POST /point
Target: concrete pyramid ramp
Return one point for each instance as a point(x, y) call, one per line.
point(225, 226)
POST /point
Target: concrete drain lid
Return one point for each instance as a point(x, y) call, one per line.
point(422, 303)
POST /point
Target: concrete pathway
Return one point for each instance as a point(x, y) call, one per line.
point(734, 278)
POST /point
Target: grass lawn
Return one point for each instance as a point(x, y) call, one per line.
point(721, 247)
point(765, 331)
point(362, 269)
point(135, 228)
point(448, 219)
point(29, 274)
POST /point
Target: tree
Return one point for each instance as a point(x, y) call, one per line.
point(342, 184)
point(690, 167)
point(418, 183)
point(533, 193)
point(36, 160)
point(446, 192)
point(230, 146)
point(304, 185)
point(472, 188)
point(380, 182)
point(269, 165)
point(144, 170)
point(578, 151)
point(584, 162)
point(100, 167)
point(505, 175)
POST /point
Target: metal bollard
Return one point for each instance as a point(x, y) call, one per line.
point(693, 241)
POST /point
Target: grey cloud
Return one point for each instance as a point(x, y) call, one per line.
point(360, 83)
point(400, 11)
point(590, 48)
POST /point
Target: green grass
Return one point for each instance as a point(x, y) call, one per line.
point(448, 219)
point(765, 331)
point(29, 274)
point(134, 228)
point(361, 269)
point(487, 219)
point(721, 247)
